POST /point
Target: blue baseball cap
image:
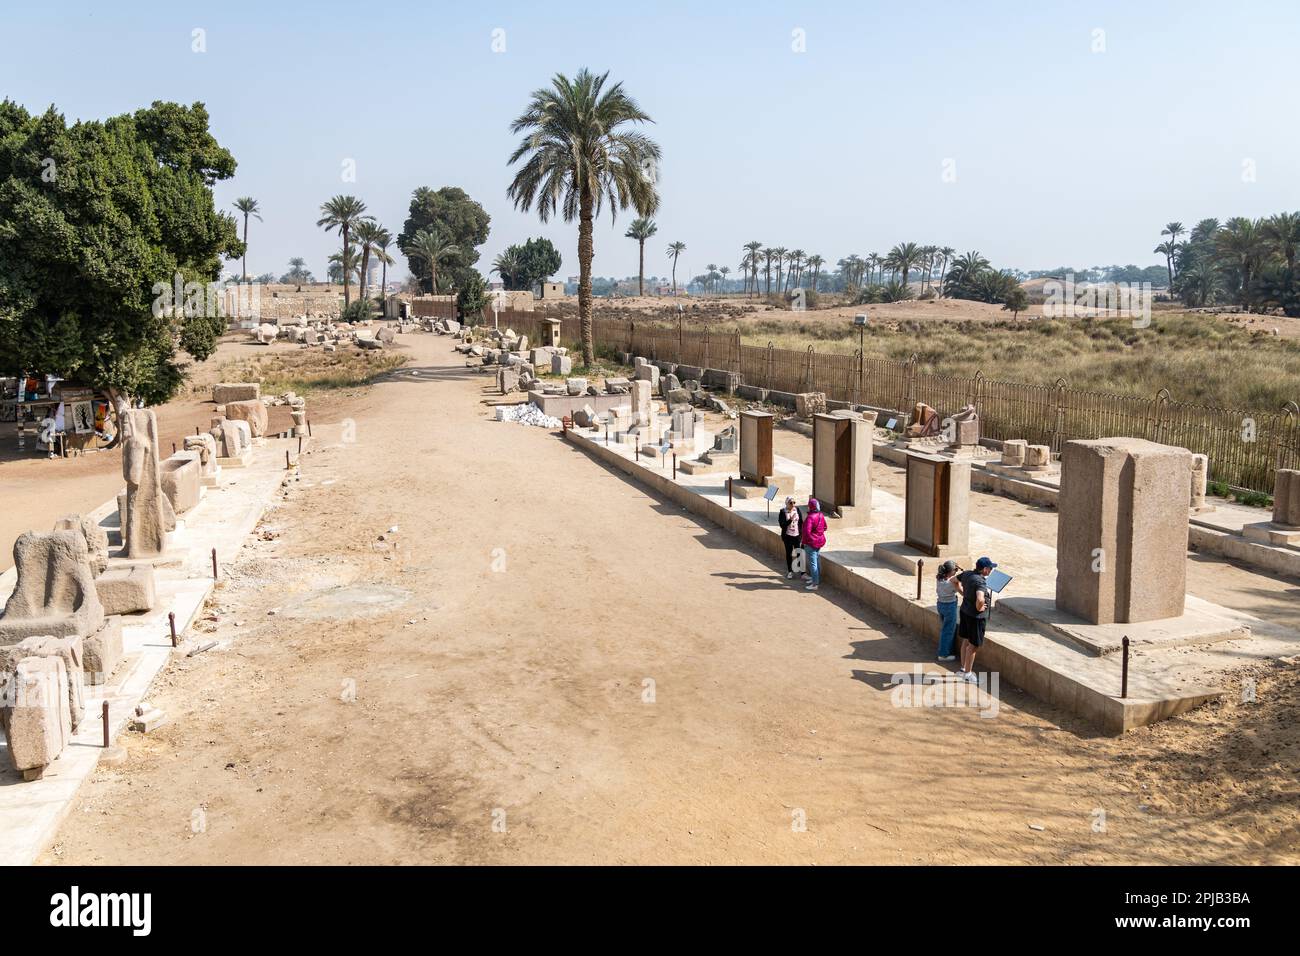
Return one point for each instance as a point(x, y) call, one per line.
point(985, 562)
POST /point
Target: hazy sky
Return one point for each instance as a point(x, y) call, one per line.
point(1070, 131)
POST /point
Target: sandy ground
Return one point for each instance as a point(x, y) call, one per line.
point(546, 664)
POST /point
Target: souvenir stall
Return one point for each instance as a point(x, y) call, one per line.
point(54, 417)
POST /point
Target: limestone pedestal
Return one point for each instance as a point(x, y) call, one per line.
point(842, 451)
point(1121, 544)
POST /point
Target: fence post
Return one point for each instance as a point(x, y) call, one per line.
point(1161, 407)
point(1058, 425)
point(809, 375)
point(857, 394)
point(707, 336)
point(771, 355)
point(977, 393)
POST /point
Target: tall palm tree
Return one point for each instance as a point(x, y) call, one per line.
point(905, 256)
point(367, 234)
point(815, 263)
point(383, 240)
point(1283, 233)
point(248, 206)
point(724, 270)
point(1173, 230)
point(578, 155)
point(778, 256)
point(1168, 249)
point(343, 213)
point(642, 228)
point(947, 252)
point(797, 257)
point(768, 254)
point(433, 247)
point(753, 251)
point(675, 249)
point(712, 271)
point(298, 270)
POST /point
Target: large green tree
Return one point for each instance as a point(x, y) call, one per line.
point(448, 212)
point(578, 154)
point(95, 218)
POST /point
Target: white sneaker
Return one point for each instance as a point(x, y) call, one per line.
point(789, 575)
point(810, 586)
point(970, 678)
point(947, 657)
point(961, 673)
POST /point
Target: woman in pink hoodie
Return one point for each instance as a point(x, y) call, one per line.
point(814, 539)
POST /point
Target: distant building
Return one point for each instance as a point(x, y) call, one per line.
point(551, 290)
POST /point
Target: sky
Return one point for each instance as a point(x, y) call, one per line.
point(1040, 133)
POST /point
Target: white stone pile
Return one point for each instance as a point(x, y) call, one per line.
point(528, 414)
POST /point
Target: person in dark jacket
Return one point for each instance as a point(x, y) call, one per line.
point(814, 539)
point(791, 524)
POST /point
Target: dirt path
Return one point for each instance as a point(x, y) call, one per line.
point(551, 665)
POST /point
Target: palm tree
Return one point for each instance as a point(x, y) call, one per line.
point(367, 233)
point(778, 255)
point(1241, 244)
point(713, 271)
point(797, 257)
point(383, 240)
point(947, 252)
point(433, 247)
point(768, 254)
point(344, 263)
point(642, 228)
point(1173, 230)
point(509, 265)
point(905, 255)
point(1283, 233)
point(815, 263)
point(675, 249)
point(723, 270)
point(343, 213)
point(1168, 249)
point(298, 271)
point(248, 206)
point(753, 253)
point(577, 155)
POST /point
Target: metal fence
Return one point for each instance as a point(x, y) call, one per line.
point(1244, 446)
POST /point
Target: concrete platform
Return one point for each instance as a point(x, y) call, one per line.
point(1050, 667)
point(1201, 623)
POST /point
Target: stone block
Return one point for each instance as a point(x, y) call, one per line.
point(205, 446)
point(561, 364)
point(182, 480)
point(1121, 545)
point(1013, 452)
point(842, 455)
point(55, 591)
point(224, 392)
point(808, 404)
point(35, 713)
point(127, 589)
point(649, 373)
point(1200, 482)
point(1286, 497)
point(253, 412)
point(103, 651)
point(1038, 457)
point(575, 386)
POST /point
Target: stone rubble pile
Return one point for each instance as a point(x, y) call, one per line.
point(528, 414)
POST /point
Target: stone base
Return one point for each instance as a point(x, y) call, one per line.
point(243, 461)
point(1278, 535)
point(744, 488)
point(905, 557)
point(849, 516)
point(720, 462)
point(1200, 624)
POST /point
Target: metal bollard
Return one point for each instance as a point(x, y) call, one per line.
point(674, 466)
point(920, 565)
point(214, 564)
point(729, 481)
point(171, 623)
point(106, 725)
point(299, 446)
point(286, 459)
point(1123, 680)
point(309, 428)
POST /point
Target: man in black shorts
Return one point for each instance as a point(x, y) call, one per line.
point(977, 601)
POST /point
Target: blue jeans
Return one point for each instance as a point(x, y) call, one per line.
point(947, 628)
point(814, 564)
